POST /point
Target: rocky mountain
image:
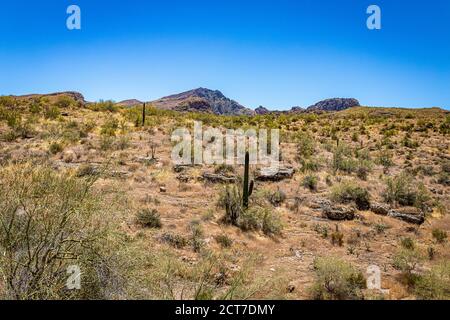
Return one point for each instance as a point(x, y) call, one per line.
point(218, 103)
point(129, 103)
point(261, 110)
point(334, 104)
point(78, 97)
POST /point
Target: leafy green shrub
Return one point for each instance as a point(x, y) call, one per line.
point(223, 240)
point(407, 243)
point(109, 127)
point(310, 182)
point(342, 159)
point(149, 218)
point(403, 190)
point(336, 280)
point(102, 105)
point(51, 112)
point(175, 240)
point(406, 261)
point(65, 102)
point(348, 191)
point(439, 235)
point(305, 145)
point(434, 284)
point(54, 221)
point(276, 198)
point(55, 147)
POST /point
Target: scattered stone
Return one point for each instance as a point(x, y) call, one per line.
point(162, 189)
point(339, 212)
point(408, 214)
point(274, 174)
point(218, 178)
point(184, 178)
point(290, 288)
point(379, 208)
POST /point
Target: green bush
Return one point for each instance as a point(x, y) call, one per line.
point(405, 191)
point(55, 147)
point(348, 191)
point(406, 261)
point(149, 218)
point(54, 220)
point(276, 198)
point(310, 182)
point(223, 240)
point(336, 280)
point(439, 235)
point(434, 284)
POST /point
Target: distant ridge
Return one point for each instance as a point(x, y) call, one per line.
point(202, 98)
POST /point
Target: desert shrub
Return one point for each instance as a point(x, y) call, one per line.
point(102, 105)
point(230, 199)
point(51, 112)
point(342, 159)
point(65, 102)
point(55, 147)
point(405, 191)
point(348, 191)
point(196, 238)
point(439, 235)
point(109, 127)
point(224, 240)
point(51, 221)
point(406, 261)
point(149, 218)
point(310, 182)
point(337, 237)
point(310, 165)
point(336, 280)
point(106, 142)
point(175, 240)
point(434, 284)
point(321, 229)
point(122, 142)
point(276, 198)
point(385, 159)
point(444, 179)
point(258, 218)
point(407, 243)
point(305, 145)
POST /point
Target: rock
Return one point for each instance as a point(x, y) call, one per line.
point(335, 104)
point(339, 212)
point(184, 178)
point(261, 110)
point(218, 178)
point(162, 189)
point(274, 174)
point(290, 288)
point(380, 208)
point(408, 214)
point(181, 167)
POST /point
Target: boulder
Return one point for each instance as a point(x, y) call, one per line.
point(274, 174)
point(339, 212)
point(218, 178)
point(379, 208)
point(408, 214)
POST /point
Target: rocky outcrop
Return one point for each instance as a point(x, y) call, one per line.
point(261, 110)
point(219, 103)
point(379, 208)
point(408, 214)
point(338, 212)
point(335, 104)
point(274, 174)
point(195, 104)
point(129, 103)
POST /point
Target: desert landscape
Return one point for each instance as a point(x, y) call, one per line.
point(93, 185)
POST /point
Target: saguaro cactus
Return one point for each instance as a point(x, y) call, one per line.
point(143, 115)
point(248, 189)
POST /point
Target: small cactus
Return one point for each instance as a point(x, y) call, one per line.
point(248, 189)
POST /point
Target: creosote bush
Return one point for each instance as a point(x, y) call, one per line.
point(405, 191)
point(336, 280)
point(348, 191)
point(50, 221)
point(149, 218)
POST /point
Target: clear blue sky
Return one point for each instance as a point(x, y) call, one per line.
point(275, 53)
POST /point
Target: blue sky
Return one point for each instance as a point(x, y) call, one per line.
point(277, 54)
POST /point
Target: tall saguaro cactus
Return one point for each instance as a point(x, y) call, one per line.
point(143, 115)
point(248, 189)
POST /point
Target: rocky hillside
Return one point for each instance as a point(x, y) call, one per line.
point(215, 99)
point(335, 104)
